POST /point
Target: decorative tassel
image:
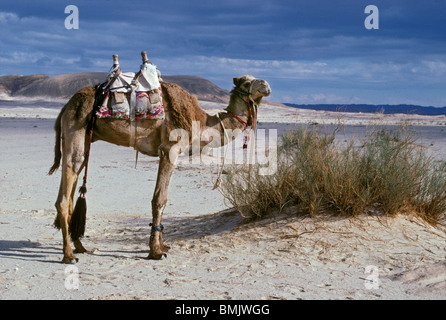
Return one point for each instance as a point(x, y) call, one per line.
point(83, 189)
point(77, 225)
point(245, 142)
point(79, 217)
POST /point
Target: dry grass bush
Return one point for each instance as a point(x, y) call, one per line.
point(387, 172)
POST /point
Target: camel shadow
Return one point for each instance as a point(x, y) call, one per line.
point(131, 233)
point(136, 231)
point(26, 250)
point(130, 237)
point(205, 225)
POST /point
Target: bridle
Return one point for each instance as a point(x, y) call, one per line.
point(252, 106)
point(252, 122)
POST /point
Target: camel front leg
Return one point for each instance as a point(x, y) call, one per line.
point(166, 167)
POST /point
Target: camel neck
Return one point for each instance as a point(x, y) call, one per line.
point(241, 108)
point(231, 120)
point(235, 117)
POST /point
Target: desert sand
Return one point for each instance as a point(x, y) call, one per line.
point(214, 253)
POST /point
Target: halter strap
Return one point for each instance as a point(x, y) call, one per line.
point(250, 120)
point(245, 124)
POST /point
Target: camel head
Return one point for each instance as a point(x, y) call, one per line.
point(247, 89)
point(248, 84)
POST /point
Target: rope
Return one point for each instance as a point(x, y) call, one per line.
point(253, 138)
point(83, 188)
point(217, 183)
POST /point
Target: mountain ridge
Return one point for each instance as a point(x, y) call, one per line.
point(370, 108)
point(64, 86)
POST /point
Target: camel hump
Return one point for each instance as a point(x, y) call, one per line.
point(88, 91)
point(171, 86)
point(175, 91)
point(181, 107)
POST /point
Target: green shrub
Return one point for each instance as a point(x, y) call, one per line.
point(387, 172)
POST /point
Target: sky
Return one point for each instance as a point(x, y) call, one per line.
point(310, 51)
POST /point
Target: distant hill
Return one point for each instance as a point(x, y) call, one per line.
point(9, 85)
point(202, 88)
point(64, 86)
point(367, 108)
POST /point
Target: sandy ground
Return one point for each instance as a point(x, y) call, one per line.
point(214, 254)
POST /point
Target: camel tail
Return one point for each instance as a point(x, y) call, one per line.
point(76, 228)
point(57, 150)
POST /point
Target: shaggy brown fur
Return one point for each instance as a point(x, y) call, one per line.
point(181, 107)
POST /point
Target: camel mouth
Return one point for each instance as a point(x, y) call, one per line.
point(265, 91)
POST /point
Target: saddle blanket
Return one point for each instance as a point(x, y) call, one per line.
point(149, 102)
point(149, 105)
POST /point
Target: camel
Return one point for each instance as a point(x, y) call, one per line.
point(152, 139)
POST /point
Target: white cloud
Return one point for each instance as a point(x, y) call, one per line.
point(435, 68)
point(329, 70)
point(8, 17)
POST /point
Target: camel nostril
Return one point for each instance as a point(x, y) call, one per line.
point(267, 91)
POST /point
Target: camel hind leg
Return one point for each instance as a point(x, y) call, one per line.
point(78, 247)
point(73, 145)
point(70, 145)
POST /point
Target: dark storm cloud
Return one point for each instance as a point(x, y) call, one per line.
point(305, 48)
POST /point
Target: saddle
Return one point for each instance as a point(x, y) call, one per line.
point(132, 95)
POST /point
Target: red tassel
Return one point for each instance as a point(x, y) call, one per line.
point(245, 143)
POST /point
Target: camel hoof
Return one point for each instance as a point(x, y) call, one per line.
point(156, 256)
point(81, 250)
point(166, 248)
point(67, 260)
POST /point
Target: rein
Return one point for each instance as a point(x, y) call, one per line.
point(83, 188)
point(99, 95)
